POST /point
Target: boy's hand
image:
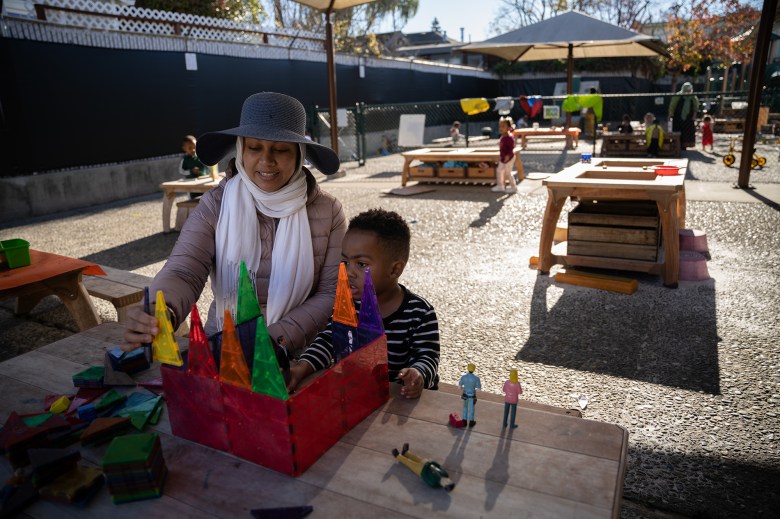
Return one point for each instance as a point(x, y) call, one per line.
point(140, 328)
point(413, 382)
point(299, 370)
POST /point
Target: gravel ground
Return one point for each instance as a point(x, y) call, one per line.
point(693, 374)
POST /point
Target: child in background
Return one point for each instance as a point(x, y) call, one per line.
point(706, 134)
point(506, 151)
point(654, 135)
point(191, 166)
point(455, 132)
point(380, 239)
point(625, 126)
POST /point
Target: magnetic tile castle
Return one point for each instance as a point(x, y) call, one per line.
point(230, 394)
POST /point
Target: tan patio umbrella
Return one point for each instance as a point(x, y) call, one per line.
point(328, 6)
point(571, 35)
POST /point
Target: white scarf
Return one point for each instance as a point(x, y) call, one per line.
point(238, 238)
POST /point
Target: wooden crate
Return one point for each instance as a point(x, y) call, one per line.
point(477, 172)
point(452, 172)
point(420, 171)
point(627, 230)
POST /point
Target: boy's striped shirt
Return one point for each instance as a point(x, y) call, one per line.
point(412, 341)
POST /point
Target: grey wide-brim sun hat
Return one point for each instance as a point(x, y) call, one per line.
point(268, 116)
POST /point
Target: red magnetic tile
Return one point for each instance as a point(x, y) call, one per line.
point(195, 407)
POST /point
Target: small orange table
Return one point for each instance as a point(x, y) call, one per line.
point(52, 274)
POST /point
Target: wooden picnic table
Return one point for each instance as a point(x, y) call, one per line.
point(52, 274)
point(572, 135)
point(618, 179)
point(552, 465)
point(185, 185)
point(472, 156)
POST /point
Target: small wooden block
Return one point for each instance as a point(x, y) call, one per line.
point(600, 281)
point(533, 262)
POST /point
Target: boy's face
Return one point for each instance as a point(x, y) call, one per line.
point(188, 147)
point(361, 249)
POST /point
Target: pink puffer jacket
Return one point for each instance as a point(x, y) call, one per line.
point(184, 275)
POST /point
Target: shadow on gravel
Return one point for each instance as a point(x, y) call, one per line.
point(137, 253)
point(769, 203)
point(701, 486)
point(658, 335)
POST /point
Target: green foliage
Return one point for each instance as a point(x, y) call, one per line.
point(240, 10)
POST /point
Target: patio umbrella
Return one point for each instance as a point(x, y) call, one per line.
point(328, 6)
point(571, 35)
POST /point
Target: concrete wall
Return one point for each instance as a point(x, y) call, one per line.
point(46, 193)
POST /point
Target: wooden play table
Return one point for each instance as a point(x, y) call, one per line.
point(473, 156)
point(618, 179)
point(51, 274)
point(552, 465)
point(572, 135)
point(185, 185)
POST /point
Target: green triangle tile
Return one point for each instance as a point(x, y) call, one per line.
point(247, 307)
point(266, 376)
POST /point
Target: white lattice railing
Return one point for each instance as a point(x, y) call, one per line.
point(102, 15)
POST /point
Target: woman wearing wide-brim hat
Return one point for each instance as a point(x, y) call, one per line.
point(272, 215)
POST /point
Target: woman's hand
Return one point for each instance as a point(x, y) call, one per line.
point(299, 370)
point(140, 328)
point(413, 382)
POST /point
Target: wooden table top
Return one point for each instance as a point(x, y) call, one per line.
point(194, 185)
point(465, 154)
point(551, 466)
point(620, 173)
point(546, 131)
point(45, 265)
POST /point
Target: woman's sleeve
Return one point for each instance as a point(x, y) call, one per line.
point(302, 324)
point(184, 274)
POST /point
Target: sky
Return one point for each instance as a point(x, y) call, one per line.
point(473, 15)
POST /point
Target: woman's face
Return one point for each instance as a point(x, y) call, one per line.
point(269, 164)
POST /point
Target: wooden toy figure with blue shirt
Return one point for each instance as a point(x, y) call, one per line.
point(469, 383)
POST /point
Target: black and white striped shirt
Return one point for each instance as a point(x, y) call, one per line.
point(412, 341)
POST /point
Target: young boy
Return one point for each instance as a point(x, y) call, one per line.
point(654, 135)
point(379, 239)
point(191, 166)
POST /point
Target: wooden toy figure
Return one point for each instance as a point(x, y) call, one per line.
point(469, 383)
point(512, 390)
point(428, 470)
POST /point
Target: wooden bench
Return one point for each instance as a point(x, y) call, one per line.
point(635, 145)
point(183, 211)
point(492, 397)
point(122, 289)
point(572, 135)
point(731, 125)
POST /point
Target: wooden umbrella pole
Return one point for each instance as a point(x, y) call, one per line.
point(569, 80)
point(329, 51)
point(754, 96)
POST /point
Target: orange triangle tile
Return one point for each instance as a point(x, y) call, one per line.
point(344, 307)
point(232, 364)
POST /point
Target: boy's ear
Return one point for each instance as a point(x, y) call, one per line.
point(397, 268)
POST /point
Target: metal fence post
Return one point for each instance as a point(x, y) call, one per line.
point(360, 130)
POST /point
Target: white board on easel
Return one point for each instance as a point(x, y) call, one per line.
point(411, 130)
